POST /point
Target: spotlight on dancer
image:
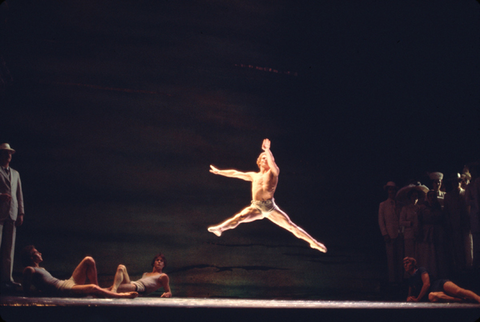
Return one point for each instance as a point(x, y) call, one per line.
point(264, 184)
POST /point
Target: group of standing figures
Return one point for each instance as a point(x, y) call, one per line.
point(439, 227)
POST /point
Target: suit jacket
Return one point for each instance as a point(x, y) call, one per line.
point(388, 218)
point(13, 186)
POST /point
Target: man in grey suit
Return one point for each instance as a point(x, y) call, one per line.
point(11, 214)
point(389, 222)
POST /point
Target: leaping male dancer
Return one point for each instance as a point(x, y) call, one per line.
point(263, 205)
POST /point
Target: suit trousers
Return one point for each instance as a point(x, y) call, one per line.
point(394, 249)
point(8, 233)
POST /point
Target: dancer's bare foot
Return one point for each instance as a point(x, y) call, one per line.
point(128, 295)
point(319, 246)
point(215, 231)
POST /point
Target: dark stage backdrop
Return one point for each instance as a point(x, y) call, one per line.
point(117, 109)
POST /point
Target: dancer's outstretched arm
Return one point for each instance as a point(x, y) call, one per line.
point(247, 176)
point(423, 291)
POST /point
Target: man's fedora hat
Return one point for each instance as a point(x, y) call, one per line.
point(6, 146)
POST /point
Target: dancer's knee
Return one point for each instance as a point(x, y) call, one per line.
point(121, 269)
point(240, 218)
point(89, 261)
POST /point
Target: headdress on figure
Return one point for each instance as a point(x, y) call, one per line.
point(436, 176)
point(6, 147)
point(389, 184)
point(466, 171)
point(456, 177)
point(403, 195)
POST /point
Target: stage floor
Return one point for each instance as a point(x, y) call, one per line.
point(57, 309)
point(226, 303)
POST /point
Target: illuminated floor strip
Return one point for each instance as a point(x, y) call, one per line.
point(227, 303)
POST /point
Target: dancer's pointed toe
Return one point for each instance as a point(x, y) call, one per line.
point(320, 247)
point(215, 231)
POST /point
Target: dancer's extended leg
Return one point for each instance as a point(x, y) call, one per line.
point(86, 269)
point(452, 289)
point(281, 219)
point(442, 297)
point(92, 289)
point(121, 278)
point(248, 214)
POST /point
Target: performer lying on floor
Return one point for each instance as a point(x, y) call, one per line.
point(150, 281)
point(264, 184)
point(44, 282)
point(442, 290)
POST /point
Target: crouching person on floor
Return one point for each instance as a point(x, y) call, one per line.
point(421, 289)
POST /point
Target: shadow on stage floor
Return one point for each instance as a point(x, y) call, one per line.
point(18, 309)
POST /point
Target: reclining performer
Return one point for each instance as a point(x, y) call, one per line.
point(149, 283)
point(44, 282)
point(264, 184)
point(421, 289)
